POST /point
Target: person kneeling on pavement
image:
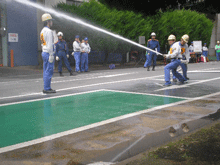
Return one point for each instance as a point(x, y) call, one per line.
point(62, 54)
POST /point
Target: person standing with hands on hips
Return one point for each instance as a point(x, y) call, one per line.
point(47, 41)
point(152, 44)
point(76, 53)
point(85, 49)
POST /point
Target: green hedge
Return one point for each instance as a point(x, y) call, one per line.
point(132, 25)
point(180, 22)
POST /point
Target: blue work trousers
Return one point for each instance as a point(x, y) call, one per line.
point(152, 56)
point(62, 56)
point(145, 64)
point(47, 71)
point(184, 69)
point(84, 62)
point(77, 60)
point(218, 56)
point(173, 66)
point(205, 53)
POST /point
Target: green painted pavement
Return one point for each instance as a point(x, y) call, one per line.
point(28, 121)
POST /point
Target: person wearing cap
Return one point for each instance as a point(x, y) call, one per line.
point(85, 49)
point(217, 49)
point(191, 48)
point(185, 56)
point(175, 56)
point(47, 42)
point(205, 51)
point(151, 56)
point(77, 51)
point(62, 54)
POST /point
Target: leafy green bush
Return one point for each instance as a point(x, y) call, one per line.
point(180, 22)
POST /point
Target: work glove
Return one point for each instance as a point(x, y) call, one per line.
point(57, 58)
point(51, 58)
point(184, 61)
point(67, 56)
point(72, 53)
point(167, 56)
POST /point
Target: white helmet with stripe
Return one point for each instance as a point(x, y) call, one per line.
point(60, 34)
point(171, 37)
point(153, 34)
point(185, 38)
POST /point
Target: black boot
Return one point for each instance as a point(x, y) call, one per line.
point(61, 74)
point(49, 91)
point(71, 73)
point(153, 69)
point(148, 68)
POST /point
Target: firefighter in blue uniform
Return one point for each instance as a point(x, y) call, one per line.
point(152, 44)
point(62, 54)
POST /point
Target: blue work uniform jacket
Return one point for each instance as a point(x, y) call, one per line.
point(61, 45)
point(153, 44)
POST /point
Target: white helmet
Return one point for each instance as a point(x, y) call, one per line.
point(185, 38)
point(218, 42)
point(171, 37)
point(60, 34)
point(153, 34)
point(46, 17)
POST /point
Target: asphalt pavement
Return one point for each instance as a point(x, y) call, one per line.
point(121, 136)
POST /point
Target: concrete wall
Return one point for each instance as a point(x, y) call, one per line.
point(23, 21)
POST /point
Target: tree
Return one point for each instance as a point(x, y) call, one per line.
point(151, 7)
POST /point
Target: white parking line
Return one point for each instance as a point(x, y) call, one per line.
point(105, 76)
point(54, 97)
point(149, 94)
point(187, 85)
point(205, 71)
point(83, 86)
point(159, 84)
point(31, 94)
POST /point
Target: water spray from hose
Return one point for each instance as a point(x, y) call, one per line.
point(67, 17)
